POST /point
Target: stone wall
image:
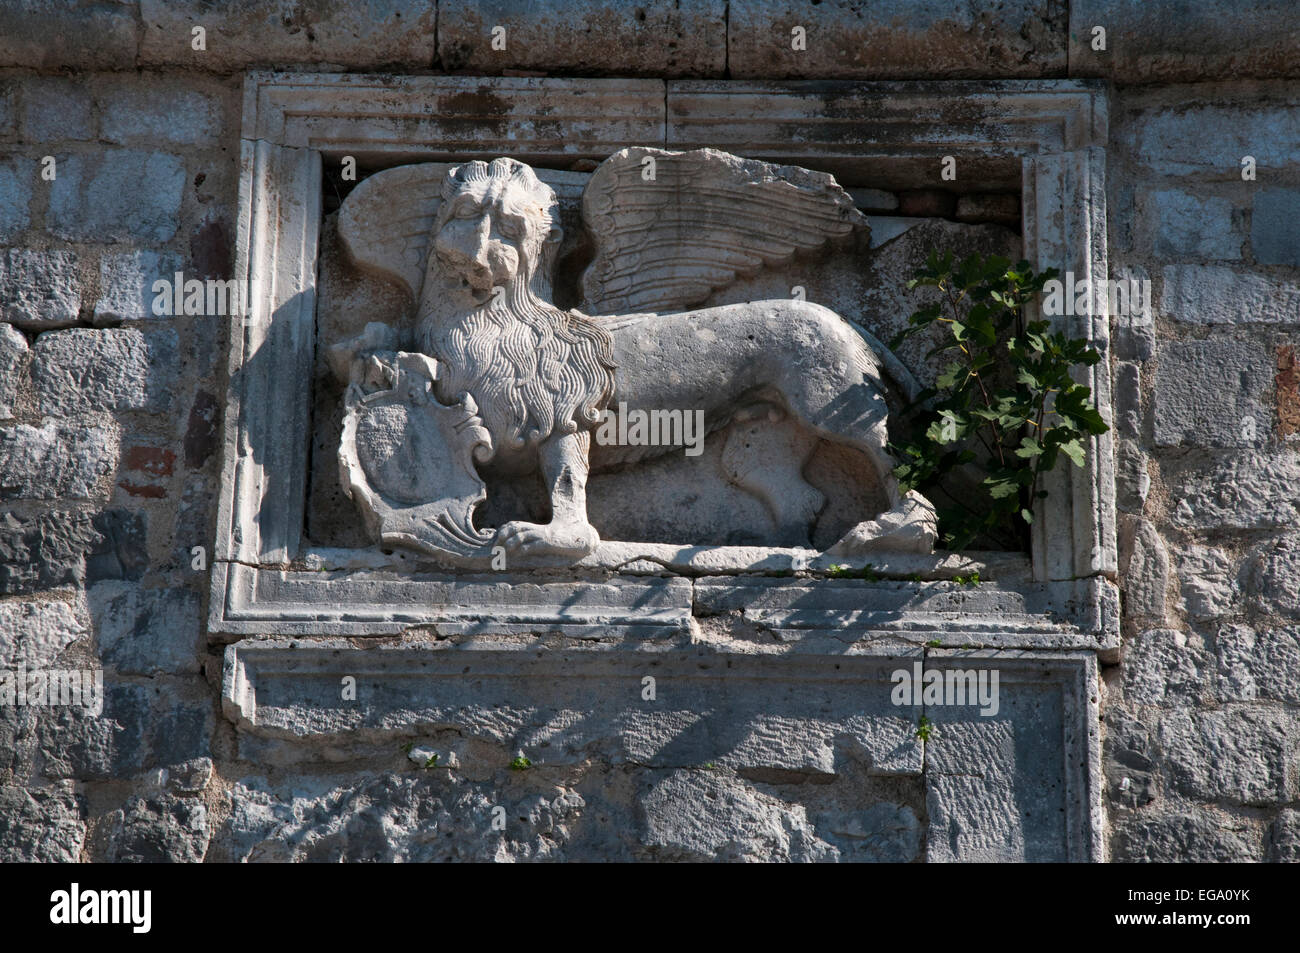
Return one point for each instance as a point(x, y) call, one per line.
point(109, 423)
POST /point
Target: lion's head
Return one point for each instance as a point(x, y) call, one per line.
point(532, 369)
point(497, 222)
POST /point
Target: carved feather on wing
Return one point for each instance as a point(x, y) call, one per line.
point(667, 242)
point(386, 222)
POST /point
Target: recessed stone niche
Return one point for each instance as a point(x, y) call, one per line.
point(764, 656)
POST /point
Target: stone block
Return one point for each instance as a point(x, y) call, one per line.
point(997, 207)
point(39, 289)
point(17, 178)
point(160, 829)
point(56, 461)
point(34, 633)
point(653, 38)
point(1275, 227)
point(84, 34)
point(112, 746)
point(41, 826)
point(56, 110)
point(45, 551)
point(153, 109)
point(1259, 664)
point(1213, 393)
point(1246, 490)
point(82, 370)
point(126, 283)
point(1274, 578)
point(1209, 583)
point(251, 34)
point(1144, 569)
point(1159, 41)
point(1238, 756)
point(1217, 294)
point(117, 195)
point(1203, 837)
point(1183, 225)
point(146, 631)
point(1162, 668)
point(1284, 838)
point(1210, 139)
point(13, 364)
point(896, 39)
point(122, 551)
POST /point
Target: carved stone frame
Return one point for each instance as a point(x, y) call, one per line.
point(1054, 129)
point(267, 584)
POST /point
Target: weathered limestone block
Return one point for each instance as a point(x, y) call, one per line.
point(81, 370)
point(896, 39)
point(1181, 224)
point(57, 461)
point(1246, 490)
point(146, 631)
point(1233, 412)
point(148, 110)
point(1209, 583)
point(34, 633)
point(16, 177)
point(1169, 136)
point(1144, 569)
point(703, 815)
point(86, 34)
point(1217, 294)
point(1274, 579)
point(1130, 759)
point(1203, 837)
point(113, 745)
point(1259, 664)
point(39, 289)
point(40, 825)
point(254, 33)
point(654, 38)
point(1238, 755)
point(13, 361)
point(1160, 41)
point(161, 828)
point(1275, 227)
point(126, 283)
point(1284, 838)
point(1161, 667)
point(55, 109)
point(117, 195)
point(45, 551)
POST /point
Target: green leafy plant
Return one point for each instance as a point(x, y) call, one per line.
point(925, 728)
point(970, 579)
point(432, 762)
point(1004, 400)
point(520, 763)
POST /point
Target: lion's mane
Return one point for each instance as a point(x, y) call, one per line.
point(532, 369)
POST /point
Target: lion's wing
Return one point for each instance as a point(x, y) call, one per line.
point(670, 233)
point(386, 221)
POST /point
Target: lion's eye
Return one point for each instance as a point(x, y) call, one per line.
point(509, 228)
point(467, 210)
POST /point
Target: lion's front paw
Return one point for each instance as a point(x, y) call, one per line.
point(568, 540)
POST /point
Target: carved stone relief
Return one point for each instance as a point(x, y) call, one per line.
point(503, 381)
